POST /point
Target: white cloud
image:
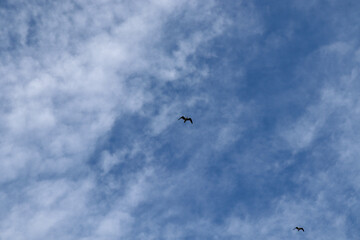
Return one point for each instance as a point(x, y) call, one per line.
point(64, 100)
point(88, 64)
point(49, 206)
point(330, 128)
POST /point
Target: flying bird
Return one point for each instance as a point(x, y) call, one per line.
point(299, 228)
point(186, 119)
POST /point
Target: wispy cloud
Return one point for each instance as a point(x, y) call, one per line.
point(70, 71)
point(91, 147)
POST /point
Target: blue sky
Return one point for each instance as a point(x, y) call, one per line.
point(91, 147)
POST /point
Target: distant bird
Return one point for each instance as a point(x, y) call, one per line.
point(185, 119)
point(299, 228)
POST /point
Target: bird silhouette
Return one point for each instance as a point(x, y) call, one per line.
point(186, 119)
point(299, 228)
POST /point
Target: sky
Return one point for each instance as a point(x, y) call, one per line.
point(91, 147)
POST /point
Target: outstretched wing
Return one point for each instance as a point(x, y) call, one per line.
point(182, 117)
point(191, 120)
point(302, 229)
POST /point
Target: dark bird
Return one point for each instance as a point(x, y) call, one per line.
point(299, 228)
point(185, 119)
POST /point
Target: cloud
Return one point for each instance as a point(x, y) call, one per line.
point(64, 100)
point(91, 147)
point(327, 130)
point(72, 70)
point(49, 207)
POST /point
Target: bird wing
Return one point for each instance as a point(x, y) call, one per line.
point(302, 229)
point(182, 117)
point(191, 120)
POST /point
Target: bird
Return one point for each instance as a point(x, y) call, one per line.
point(186, 119)
point(299, 228)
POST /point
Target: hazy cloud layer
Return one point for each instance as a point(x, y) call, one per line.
point(91, 147)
